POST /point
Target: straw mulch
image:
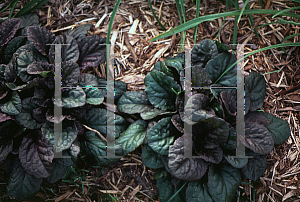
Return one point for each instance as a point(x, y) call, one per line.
point(134, 25)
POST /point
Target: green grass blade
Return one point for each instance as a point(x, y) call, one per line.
point(177, 192)
point(288, 37)
point(197, 15)
point(184, 21)
point(289, 9)
point(156, 18)
point(7, 6)
point(183, 10)
point(12, 9)
point(235, 27)
point(271, 23)
point(196, 21)
point(111, 21)
point(261, 4)
point(113, 198)
point(179, 11)
point(257, 51)
point(27, 8)
point(289, 22)
point(271, 72)
point(252, 22)
point(231, 3)
point(181, 22)
point(242, 11)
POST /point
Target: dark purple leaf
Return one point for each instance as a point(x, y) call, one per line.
point(195, 109)
point(69, 51)
point(210, 151)
point(10, 72)
point(8, 29)
point(92, 51)
point(178, 123)
point(13, 45)
point(36, 155)
point(257, 138)
point(4, 117)
point(38, 67)
point(39, 114)
point(40, 37)
point(255, 167)
point(189, 169)
point(70, 73)
point(229, 102)
point(257, 118)
point(3, 93)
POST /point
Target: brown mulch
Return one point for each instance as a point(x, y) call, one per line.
point(134, 26)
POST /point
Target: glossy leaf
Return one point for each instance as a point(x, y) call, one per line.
point(152, 113)
point(96, 119)
point(255, 89)
point(70, 73)
point(159, 90)
point(236, 162)
point(13, 106)
point(92, 51)
point(197, 191)
point(12, 46)
point(65, 139)
point(72, 98)
point(133, 136)
point(218, 65)
point(189, 169)
point(68, 52)
point(255, 168)
point(151, 159)
point(36, 155)
point(79, 31)
point(38, 67)
point(25, 118)
point(166, 190)
point(132, 102)
point(24, 59)
point(40, 37)
point(280, 129)
point(223, 182)
point(8, 29)
point(22, 185)
point(95, 150)
point(195, 109)
point(257, 138)
point(203, 52)
point(60, 167)
point(160, 136)
point(177, 63)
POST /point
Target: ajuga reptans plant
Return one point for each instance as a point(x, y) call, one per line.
point(27, 104)
point(214, 174)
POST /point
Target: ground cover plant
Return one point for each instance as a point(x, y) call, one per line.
point(27, 104)
point(215, 175)
point(101, 183)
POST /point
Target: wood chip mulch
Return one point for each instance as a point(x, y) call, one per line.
point(134, 26)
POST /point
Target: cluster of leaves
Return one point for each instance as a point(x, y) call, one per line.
point(213, 173)
point(27, 145)
point(160, 115)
